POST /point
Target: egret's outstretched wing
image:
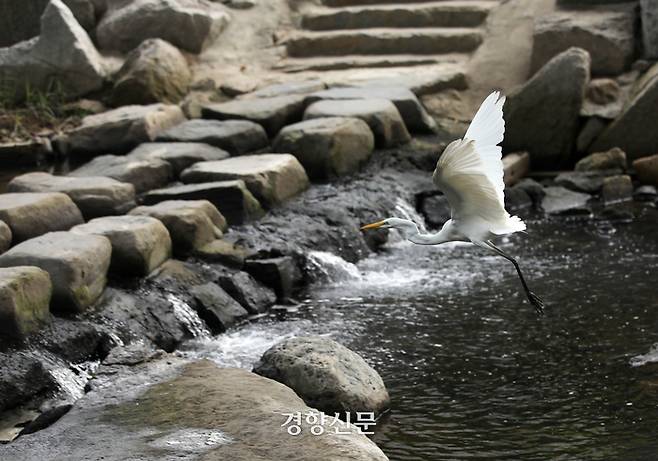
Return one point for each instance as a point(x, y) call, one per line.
point(470, 171)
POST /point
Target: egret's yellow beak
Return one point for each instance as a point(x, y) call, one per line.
point(374, 225)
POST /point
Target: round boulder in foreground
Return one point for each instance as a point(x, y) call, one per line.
point(327, 375)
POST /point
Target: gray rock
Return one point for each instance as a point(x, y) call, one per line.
point(381, 116)
point(435, 209)
point(223, 252)
point(327, 375)
point(24, 300)
point(22, 376)
point(646, 193)
point(288, 88)
point(139, 243)
point(646, 169)
point(271, 178)
point(32, 214)
point(77, 265)
point(232, 198)
point(216, 307)
point(613, 159)
point(618, 188)
point(24, 153)
point(534, 190)
point(562, 201)
point(517, 198)
point(234, 136)
point(591, 130)
point(603, 99)
point(5, 237)
point(272, 113)
point(73, 340)
point(191, 223)
point(120, 130)
point(542, 116)
point(633, 131)
point(153, 72)
point(608, 36)
point(649, 12)
point(581, 181)
point(327, 147)
point(253, 296)
point(19, 21)
point(281, 274)
point(94, 196)
point(62, 55)
point(187, 24)
point(413, 113)
point(144, 175)
point(179, 155)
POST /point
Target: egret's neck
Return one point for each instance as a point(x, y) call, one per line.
point(427, 239)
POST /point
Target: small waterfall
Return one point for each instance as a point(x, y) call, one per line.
point(407, 211)
point(327, 267)
point(188, 317)
point(72, 379)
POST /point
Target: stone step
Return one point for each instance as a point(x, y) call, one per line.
point(462, 13)
point(341, 3)
point(384, 41)
point(294, 65)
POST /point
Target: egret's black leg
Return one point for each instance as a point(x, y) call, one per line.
point(533, 298)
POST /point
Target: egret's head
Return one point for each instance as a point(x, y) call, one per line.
point(406, 227)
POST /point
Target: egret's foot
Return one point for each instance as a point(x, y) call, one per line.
point(537, 302)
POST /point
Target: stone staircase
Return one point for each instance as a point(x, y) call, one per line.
point(377, 38)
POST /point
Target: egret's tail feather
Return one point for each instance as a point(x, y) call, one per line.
point(513, 224)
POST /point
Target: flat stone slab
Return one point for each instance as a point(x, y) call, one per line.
point(288, 88)
point(139, 243)
point(327, 147)
point(412, 111)
point(561, 201)
point(94, 196)
point(272, 178)
point(216, 307)
point(31, 214)
point(142, 174)
point(191, 223)
point(381, 116)
point(179, 155)
point(234, 136)
point(120, 130)
point(24, 300)
point(232, 198)
point(272, 113)
point(77, 265)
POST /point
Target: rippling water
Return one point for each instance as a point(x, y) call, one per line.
point(472, 371)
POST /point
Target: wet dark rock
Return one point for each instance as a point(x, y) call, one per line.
point(24, 301)
point(591, 130)
point(434, 207)
point(22, 377)
point(179, 155)
point(588, 182)
point(645, 193)
point(253, 296)
point(234, 136)
point(649, 12)
point(516, 198)
point(614, 159)
point(5, 237)
point(646, 169)
point(223, 252)
point(46, 418)
point(216, 307)
point(327, 375)
point(26, 153)
point(533, 189)
point(281, 274)
point(178, 274)
point(618, 188)
point(616, 214)
point(74, 341)
point(562, 201)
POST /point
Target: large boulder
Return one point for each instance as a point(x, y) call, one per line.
point(120, 130)
point(542, 116)
point(216, 307)
point(232, 198)
point(253, 296)
point(24, 300)
point(153, 72)
point(327, 147)
point(634, 130)
point(139, 243)
point(77, 265)
point(191, 223)
point(327, 375)
point(179, 155)
point(647, 169)
point(142, 174)
point(608, 36)
point(649, 11)
point(272, 113)
point(190, 25)
point(32, 214)
point(5, 237)
point(234, 136)
point(94, 196)
point(62, 56)
point(272, 178)
point(381, 115)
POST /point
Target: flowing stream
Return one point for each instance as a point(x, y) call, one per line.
point(472, 371)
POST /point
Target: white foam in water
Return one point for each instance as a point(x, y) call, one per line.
point(188, 316)
point(327, 267)
point(649, 357)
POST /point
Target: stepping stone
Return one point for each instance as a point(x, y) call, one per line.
point(381, 116)
point(24, 300)
point(232, 198)
point(414, 115)
point(272, 113)
point(179, 155)
point(32, 214)
point(5, 237)
point(283, 89)
point(120, 130)
point(281, 274)
point(142, 174)
point(234, 136)
point(94, 196)
point(327, 147)
point(216, 307)
point(253, 296)
point(271, 178)
point(139, 243)
point(77, 265)
point(191, 223)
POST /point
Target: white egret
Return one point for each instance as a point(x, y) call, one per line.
point(470, 174)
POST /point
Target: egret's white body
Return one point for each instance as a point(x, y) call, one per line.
point(470, 174)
